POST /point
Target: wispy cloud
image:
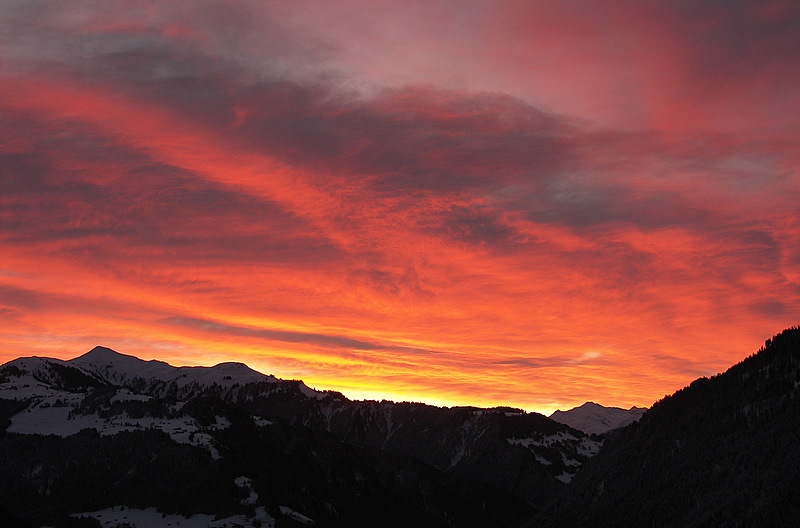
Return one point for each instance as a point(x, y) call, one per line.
point(288, 336)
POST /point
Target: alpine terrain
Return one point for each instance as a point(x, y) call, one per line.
point(110, 440)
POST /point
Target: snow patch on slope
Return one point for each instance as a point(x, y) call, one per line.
point(153, 518)
point(45, 417)
point(565, 477)
point(543, 441)
point(25, 387)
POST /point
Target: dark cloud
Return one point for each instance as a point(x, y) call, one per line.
point(406, 140)
point(536, 363)
point(405, 143)
point(286, 336)
point(771, 308)
point(78, 185)
point(741, 249)
point(589, 205)
point(553, 361)
point(395, 282)
point(476, 226)
point(743, 36)
point(690, 367)
point(400, 142)
point(14, 298)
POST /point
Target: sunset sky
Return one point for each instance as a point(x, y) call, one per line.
point(458, 202)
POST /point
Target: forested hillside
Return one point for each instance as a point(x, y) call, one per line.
point(723, 451)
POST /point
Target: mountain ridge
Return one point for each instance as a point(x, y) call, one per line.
point(91, 363)
point(113, 366)
point(720, 452)
point(506, 459)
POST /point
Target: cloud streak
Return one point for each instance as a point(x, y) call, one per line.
point(287, 336)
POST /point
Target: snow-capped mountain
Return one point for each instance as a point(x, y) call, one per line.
point(593, 418)
point(141, 430)
point(103, 366)
point(120, 369)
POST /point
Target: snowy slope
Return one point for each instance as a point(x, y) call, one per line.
point(55, 391)
point(594, 418)
point(35, 377)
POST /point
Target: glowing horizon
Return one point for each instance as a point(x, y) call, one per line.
point(463, 203)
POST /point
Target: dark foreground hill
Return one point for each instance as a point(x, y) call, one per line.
point(722, 452)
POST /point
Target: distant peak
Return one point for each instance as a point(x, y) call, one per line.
point(100, 352)
point(232, 365)
point(592, 417)
point(106, 355)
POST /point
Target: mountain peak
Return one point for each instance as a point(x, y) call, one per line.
point(595, 418)
point(104, 356)
point(120, 369)
point(100, 352)
point(115, 368)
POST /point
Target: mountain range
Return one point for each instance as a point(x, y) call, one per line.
point(108, 430)
point(110, 440)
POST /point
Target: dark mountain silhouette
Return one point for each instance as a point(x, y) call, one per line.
point(8, 520)
point(107, 429)
point(723, 451)
point(251, 450)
